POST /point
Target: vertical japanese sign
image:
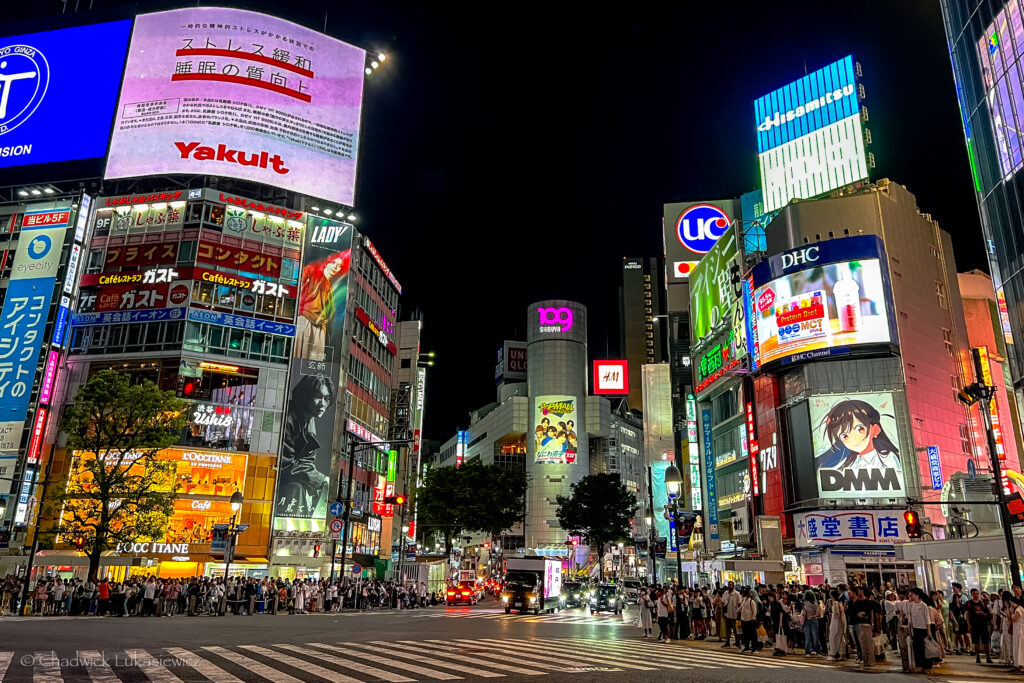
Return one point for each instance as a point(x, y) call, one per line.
point(23, 319)
point(709, 471)
point(755, 484)
point(693, 453)
point(304, 466)
point(228, 92)
point(935, 467)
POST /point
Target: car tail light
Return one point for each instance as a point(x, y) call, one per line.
point(465, 592)
point(451, 592)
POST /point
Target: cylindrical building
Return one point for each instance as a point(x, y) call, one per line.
point(558, 452)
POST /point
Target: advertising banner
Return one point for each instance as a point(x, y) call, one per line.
point(304, 467)
point(134, 297)
point(42, 75)
point(856, 446)
point(999, 50)
point(809, 135)
point(25, 311)
point(709, 473)
point(141, 255)
point(824, 299)
point(556, 429)
point(234, 93)
point(611, 377)
point(691, 229)
point(137, 218)
point(511, 362)
point(850, 527)
point(715, 289)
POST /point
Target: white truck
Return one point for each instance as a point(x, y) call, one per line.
point(532, 583)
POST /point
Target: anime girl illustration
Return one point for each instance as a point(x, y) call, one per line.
point(856, 440)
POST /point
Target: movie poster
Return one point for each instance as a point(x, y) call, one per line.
point(555, 432)
point(857, 446)
point(304, 466)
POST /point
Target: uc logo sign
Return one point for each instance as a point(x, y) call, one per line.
point(24, 79)
point(700, 226)
point(555, 319)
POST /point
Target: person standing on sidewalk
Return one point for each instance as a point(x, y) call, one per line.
point(920, 617)
point(864, 615)
point(836, 628)
point(663, 607)
point(978, 618)
point(812, 644)
point(731, 611)
point(748, 619)
point(646, 607)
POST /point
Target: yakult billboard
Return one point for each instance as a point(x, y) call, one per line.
point(240, 94)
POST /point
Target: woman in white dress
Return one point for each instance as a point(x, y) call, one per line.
point(645, 621)
point(1018, 638)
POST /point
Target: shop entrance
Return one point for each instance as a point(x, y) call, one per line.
point(881, 576)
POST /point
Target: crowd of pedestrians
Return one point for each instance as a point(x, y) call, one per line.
point(151, 596)
point(842, 622)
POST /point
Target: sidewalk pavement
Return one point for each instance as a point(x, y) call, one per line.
point(953, 668)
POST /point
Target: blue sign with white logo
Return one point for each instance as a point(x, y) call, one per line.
point(242, 322)
point(111, 317)
point(60, 323)
point(335, 509)
point(935, 466)
point(58, 92)
point(700, 226)
point(709, 469)
point(819, 99)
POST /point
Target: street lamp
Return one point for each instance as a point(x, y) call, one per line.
point(232, 535)
point(673, 485)
point(401, 551)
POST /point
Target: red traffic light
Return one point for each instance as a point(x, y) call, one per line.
point(575, 542)
point(913, 524)
point(80, 543)
point(316, 550)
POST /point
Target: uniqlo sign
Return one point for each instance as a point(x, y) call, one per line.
point(611, 377)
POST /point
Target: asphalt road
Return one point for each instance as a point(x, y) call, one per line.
point(431, 644)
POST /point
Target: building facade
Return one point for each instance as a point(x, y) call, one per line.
point(641, 319)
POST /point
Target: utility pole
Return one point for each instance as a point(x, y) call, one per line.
point(1004, 513)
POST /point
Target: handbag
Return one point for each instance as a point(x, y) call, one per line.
point(780, 642)
point(932, 649)
point(761, 632)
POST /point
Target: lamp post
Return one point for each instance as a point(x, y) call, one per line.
point(232, 535)
point(401, 553)
point(673, 484)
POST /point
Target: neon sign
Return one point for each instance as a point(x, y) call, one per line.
point(555, 319)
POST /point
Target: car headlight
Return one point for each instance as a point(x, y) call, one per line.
point(504, 598)
point(533, 599)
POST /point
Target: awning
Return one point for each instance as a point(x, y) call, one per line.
point(958, 548)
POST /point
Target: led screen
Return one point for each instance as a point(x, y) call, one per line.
point(1003, 89)
point(818, 306)
point(809, 135)
point(234, 93)
point(856, 446)
point(57, 95)
point(556, 430)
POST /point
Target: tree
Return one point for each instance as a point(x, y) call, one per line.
point(118, 490)
point(599, 507)
point(471, 498)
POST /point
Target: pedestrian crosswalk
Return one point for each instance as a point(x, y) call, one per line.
point(394, 661)
point(566, 617)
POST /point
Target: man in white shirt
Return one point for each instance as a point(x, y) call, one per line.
point(731, 610)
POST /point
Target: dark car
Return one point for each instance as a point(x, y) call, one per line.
point(606, 598)
point(574, 594)
point(459, 593)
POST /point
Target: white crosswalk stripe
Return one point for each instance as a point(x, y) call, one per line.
point(412, 668)
point(154, 670)
point(552, 617)
point(203, 666)
point(98, 668)
point(347, 664)
point(401, 661)
point(46, 668)
point(258, 668)
point(302, 665)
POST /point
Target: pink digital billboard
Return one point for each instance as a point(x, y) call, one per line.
point(228, 92)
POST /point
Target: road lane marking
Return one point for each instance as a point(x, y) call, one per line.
point(347, 664)
point(257, 667)
point(445, 646)
point(430, 673)
point(98, 669)
point(154, 670)
point(532, 645)
point(391, 647)
point(203, 666)
point(46, 667)
point(5, 661)
point(417, 645)
point(301, 665)
point(595, 648)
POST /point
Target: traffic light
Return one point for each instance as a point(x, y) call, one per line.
point(79, 543)
point(913, 524)
point(973, 393)
point(316, 550)
point(394, 500)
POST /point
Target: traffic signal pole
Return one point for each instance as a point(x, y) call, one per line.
point(1004, 513)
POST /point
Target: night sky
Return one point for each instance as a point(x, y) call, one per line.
point(508, 158)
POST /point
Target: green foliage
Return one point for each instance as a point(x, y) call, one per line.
point(118, 490)
point(470, 498)
point(599, 507)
